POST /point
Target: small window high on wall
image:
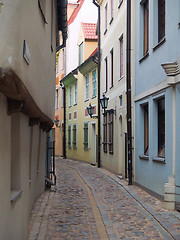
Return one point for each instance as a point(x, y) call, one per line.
point(161, 19)
point(145, 6)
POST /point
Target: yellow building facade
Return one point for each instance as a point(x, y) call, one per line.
point(81, 90)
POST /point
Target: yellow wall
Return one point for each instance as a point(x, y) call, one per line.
point(80, 153)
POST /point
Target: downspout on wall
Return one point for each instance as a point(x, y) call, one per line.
point(99, 68)
point(128, 80)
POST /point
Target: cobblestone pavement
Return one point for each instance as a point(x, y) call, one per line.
point(91, 203)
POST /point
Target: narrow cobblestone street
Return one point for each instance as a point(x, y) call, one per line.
point(91, 203)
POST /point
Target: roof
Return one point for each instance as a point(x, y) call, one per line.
point(89, 30)
point(75, 12)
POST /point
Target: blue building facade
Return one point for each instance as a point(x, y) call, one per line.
point(157, 98)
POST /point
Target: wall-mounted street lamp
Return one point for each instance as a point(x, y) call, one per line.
point(90, 110)
point(104, 103)
point(56, 121)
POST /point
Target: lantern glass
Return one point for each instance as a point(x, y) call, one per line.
point(90, 110)
point(104, 102)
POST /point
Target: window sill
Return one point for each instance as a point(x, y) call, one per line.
point(162, 41)
point(120, 4)
point(159, 160)
point(144, 157)
point(15, 194)
point(86, 100)
point(105, 32)
point(93, 97)
point(178, 25)
point(86, 149)
point(75, 104)
point(121, 78)
point(70, 106)
point(110, 152)
point(111, 86)
point(111, 21)
point(74, 147)
point(144, 57)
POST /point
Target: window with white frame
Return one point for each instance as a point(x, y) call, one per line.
point(62, 97)
point(105, 20)
point(146, 128)
point(121, 56)
point(80, 53)
point(145, 8)
point(111, 135)
point(106, 74)
point(75, 93)
point(159, 21)
point(87, 87)
point(112, 68)
point(70, 96)
point(57, 99)
point(94, 83)
point(112, 10)
point(161, 127)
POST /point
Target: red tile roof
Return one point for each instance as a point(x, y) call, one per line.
point(89, 30)
point(75, 12)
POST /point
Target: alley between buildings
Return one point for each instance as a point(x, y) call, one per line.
point(91, 203)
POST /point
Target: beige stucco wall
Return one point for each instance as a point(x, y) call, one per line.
point(25, 159)
point(17, 25)
point(14, 216)
point(116, 161)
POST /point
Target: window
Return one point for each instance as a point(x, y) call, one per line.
point(62, 97)
point(80, 53)
point(145, 6)
point(105, 133)
point(69, 136)
point(110, 123)
point(86, 136)
point(57, 99)
point(70, 96)
point(57, 63)
point(74, 136)
point(120, 101)
point(161, 127)
point(112, 10)
point(161, 19)
point(94, 83)
point(42, 7)
point(106, 74)
point(105, 23)
point(146, 129)
point(87, 87)
point(75, 93)
point(111, 80)
point(15, 155)
point(121, 57)
point(52, 24)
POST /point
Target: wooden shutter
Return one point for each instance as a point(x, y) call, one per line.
point(105, 133)
point(110, 133)
point(74, 136)
point(85, 136)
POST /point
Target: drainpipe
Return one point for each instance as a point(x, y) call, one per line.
point(99, 67)
point(64, 116)
point(128, 80)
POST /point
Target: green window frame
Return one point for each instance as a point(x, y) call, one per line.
point(74, 136)
point(69, 136)
point(86, 142)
